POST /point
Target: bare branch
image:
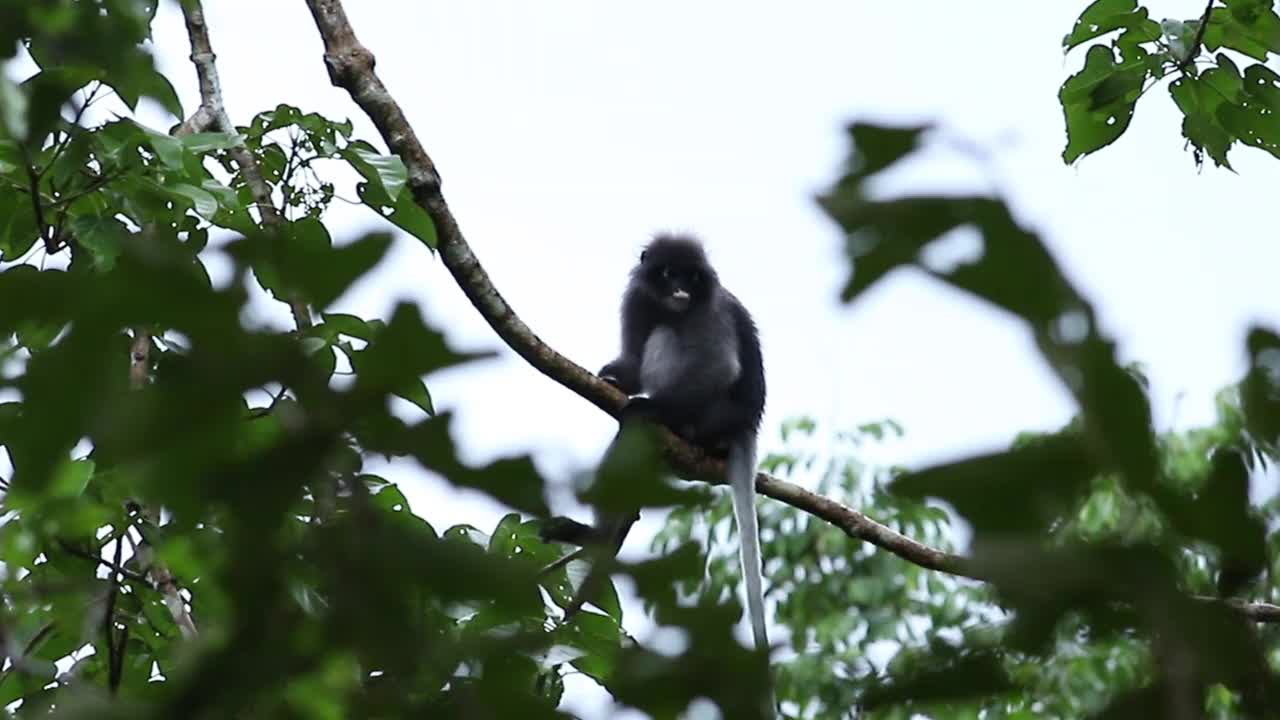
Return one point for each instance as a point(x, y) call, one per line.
point(157, 572)
point(1261, 612)
point(212, 113)
point(351, 67)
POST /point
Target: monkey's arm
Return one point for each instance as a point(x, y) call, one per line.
point(624, 373)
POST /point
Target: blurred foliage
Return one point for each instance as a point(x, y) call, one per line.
point(1105, 539)
point(1221, 104)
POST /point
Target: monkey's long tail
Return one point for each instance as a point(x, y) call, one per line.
point(742, 482)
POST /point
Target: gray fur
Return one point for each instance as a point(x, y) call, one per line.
point(701, 353)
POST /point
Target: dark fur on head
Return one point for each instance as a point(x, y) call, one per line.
point(675, 274)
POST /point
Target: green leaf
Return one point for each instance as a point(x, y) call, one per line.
point(14, 109)
point(1199, 101)
point(600, 637)
point(504, 540)
point(1254, 120)
point(386, 176)
point(405, 350)
point(1019, 492)
point(168, 149)
point(405, 213)
point(18, 230)
point(950, 676)
point(876, 147)
point(324, 275)
point(415, 391)
point(342, 324)
point(1098, 102)
point(1102, 17)
point(70, 479)
point(390, 499)
point(141, 80)
point(1260, 391)
point(204, 142)
point(202, 201)
point(36, 336)
point(513, 481)
point(48, 90)
point(387, 171)
point(1250, 27)
point(102, 236)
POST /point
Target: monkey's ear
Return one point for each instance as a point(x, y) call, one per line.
point(643, 253)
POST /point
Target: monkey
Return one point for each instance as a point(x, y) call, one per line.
point(691, 360)
point(691, 356)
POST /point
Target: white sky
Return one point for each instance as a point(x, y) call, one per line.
point(569, 131)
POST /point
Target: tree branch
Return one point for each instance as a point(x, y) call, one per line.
point(117, 569)
point(351, 67)
point(115, 652)
point(213, 113)
point(209, 114)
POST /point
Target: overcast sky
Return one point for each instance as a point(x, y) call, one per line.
point(567, 132)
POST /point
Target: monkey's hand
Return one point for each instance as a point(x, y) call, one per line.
point(640, 407)
point(622, 374)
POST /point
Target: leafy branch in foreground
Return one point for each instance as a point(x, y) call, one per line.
point(1048, 567)
point(1221, 105)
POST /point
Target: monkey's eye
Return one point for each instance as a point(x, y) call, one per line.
point(695, 277)
point(666, 273)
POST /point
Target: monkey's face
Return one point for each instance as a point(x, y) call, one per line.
point(675, 275)
point(677, 288)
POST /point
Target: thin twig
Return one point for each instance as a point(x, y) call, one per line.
point(96, 183)
point(115, 654)
point(122, 644)
point(33, 185)
point(1194, 50)
point(116, 568)
point(75, 123)
point(156, 571)
point(268, 409)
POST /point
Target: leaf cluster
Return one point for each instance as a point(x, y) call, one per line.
point(1105, 528)
point(1221, 105)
